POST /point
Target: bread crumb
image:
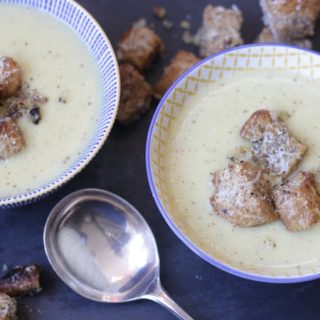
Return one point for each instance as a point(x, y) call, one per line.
point(184, 24)
point(168, 25)
point(159, 12)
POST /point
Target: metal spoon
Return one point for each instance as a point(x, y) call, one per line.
point(104, 250)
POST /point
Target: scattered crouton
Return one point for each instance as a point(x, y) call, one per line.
point(182, 61)
point(242, 195)
point(135, 95)
point(273, 147)
point(11, 139)
point(298, 202)
point(290, 19)
point(266, 36)
point(10, 77)
point(220, 29)
point(21, 281)
point(8, 307)
point(139, 46)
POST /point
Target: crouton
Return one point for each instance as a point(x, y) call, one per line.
point(290, 19)
point(182, 61)
point(11, 139)
point(298, 202)
point(139, 46)
point(266, 36)
point(10, 77)
point(135, 95)
point(8, 307)
point(242, 195)
point(273, 147)
point(220, 29)
point(21, 280)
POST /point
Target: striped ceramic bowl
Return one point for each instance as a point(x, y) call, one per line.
point(86, 27)
point(222, 65)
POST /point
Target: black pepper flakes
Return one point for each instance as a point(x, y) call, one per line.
point(62, 100)
point(34, 115)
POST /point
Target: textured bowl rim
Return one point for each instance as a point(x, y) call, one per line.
point(213, 261)
point(58, 181)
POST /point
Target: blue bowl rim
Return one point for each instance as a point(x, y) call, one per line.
point(31, 196)
point(165, 215)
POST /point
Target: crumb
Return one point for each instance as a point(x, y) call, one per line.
point(159, 12)
point(167, 24)
point(184, 24)
point(187, 37)
point(269, 243)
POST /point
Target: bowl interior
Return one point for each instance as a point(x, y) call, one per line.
point(226, 64)
point(88, 30)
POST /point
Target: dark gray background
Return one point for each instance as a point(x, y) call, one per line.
point(203, 290)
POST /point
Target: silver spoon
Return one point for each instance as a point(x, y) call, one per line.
point(104, 250)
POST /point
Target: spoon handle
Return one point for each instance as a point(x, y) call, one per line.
point(160, 296)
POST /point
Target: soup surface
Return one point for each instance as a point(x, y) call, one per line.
point(56, 63)
point(206, 131)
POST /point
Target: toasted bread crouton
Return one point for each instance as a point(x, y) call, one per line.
point(181, 62)
point(273, 147)
point(220, 29)
point(11, 139)
point(21, 280)
point(298, 202)
point(139, 46)
point(290, 19)
point(10, 77)
point(242, 195)
point(8, 307)
point(266, 36)
point(135, 95)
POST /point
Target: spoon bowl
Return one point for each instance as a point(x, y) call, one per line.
point(104, 250)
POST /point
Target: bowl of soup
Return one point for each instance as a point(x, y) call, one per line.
point(196, 126)
point(66, 57)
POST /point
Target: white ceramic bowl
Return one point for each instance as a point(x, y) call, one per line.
point(222, 65)
point(89, 31)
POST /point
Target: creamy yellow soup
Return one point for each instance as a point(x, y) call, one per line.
point(206, 132)
point(56, 63)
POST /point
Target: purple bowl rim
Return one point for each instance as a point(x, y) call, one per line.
point(165, 215)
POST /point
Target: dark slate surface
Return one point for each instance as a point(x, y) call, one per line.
point(203, 290)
